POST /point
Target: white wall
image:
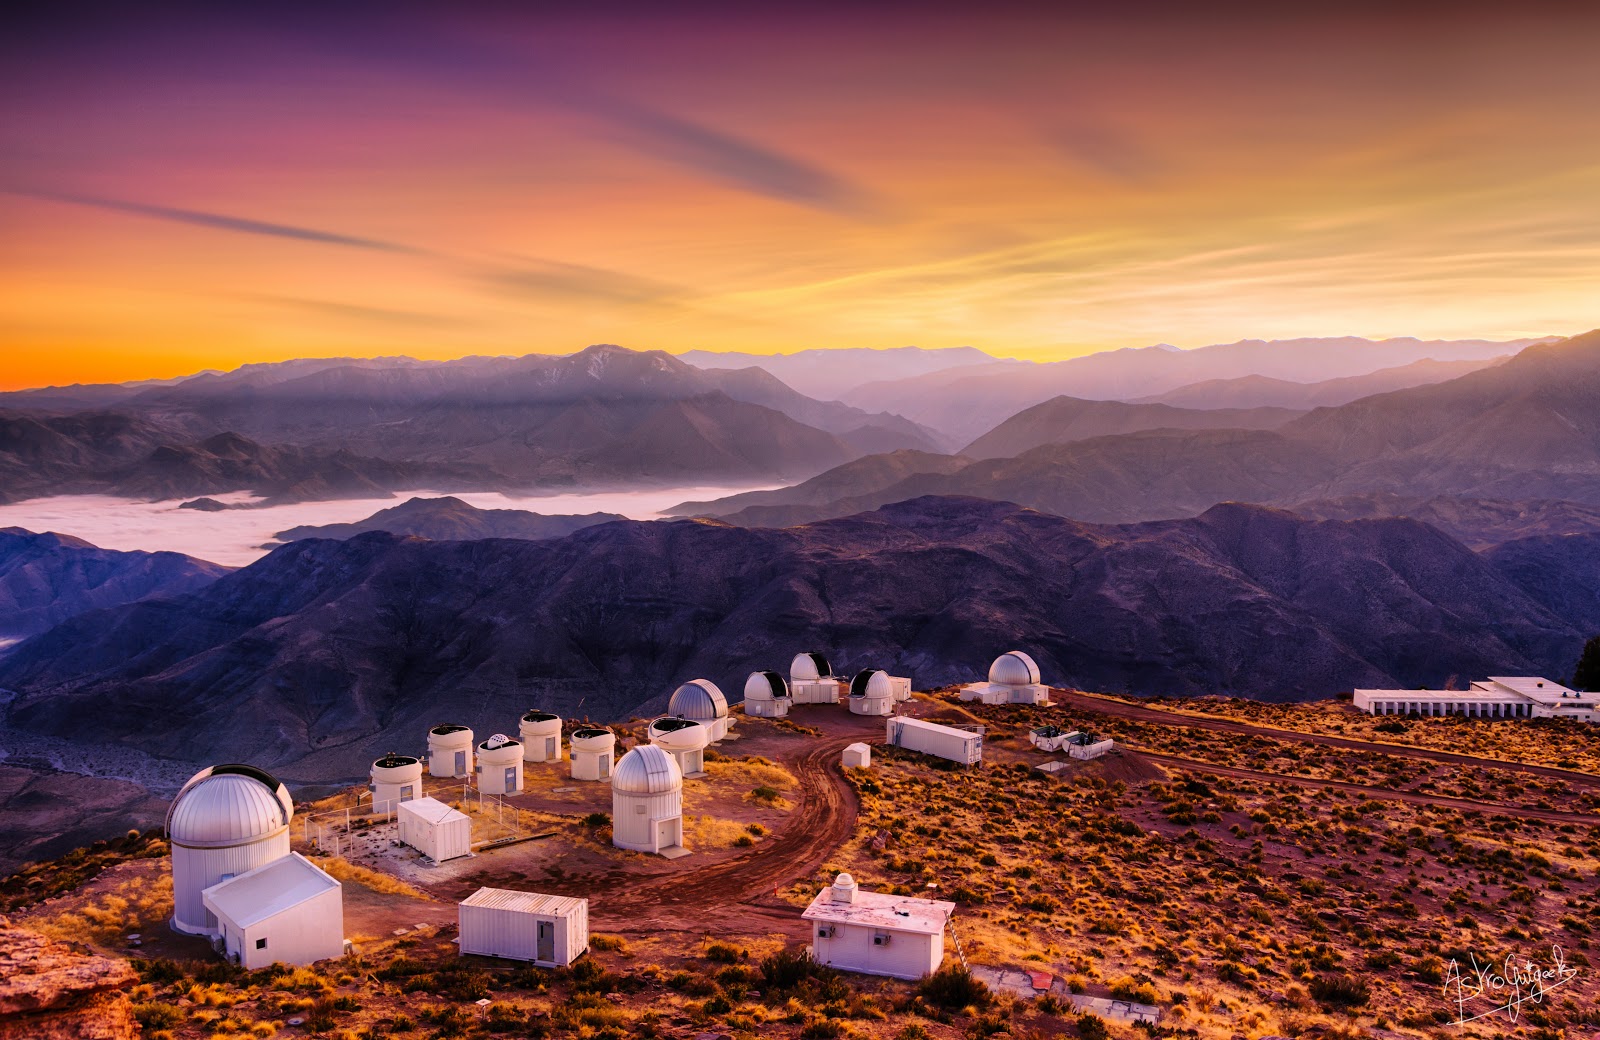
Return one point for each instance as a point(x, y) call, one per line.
point(494, 932)
point(303, 933)
point(930, 738)
point(448, 839)
point(907, 956)
point(592, 765)
point(634, 818)
point(195, 870)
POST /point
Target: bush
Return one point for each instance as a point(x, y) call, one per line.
point(789, 967)
point(1091, 1027)
point(158, 1016)
point(1340, 991)
point(597, 819)
point(821, 1029)
point(954, 988)
point(722, 953)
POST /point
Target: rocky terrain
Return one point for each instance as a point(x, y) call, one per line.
point(451, 519)
point(50, 991)
point(47, 578)
point(1479, 522)
point(339, 650)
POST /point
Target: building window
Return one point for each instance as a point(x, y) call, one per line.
point(261, 944)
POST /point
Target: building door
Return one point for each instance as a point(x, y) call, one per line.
point(605, 765)
point(461, 763)
point(551, 749)
point(406, 794)
point(511, 779)
point(546, 948)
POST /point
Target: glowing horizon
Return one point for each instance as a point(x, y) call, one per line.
point(205, 191)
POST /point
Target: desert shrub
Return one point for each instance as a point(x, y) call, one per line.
point(821, 1029)
point(723, 953)
point(1137, 990)
point(608, 943)
point(1340, 991)
point(743, 841)
point(765, 793)
point(789, 967)
point(320, 1016)
point(1091, 1027)
point(158, 1016)
point(954, 988)
point(597, 819)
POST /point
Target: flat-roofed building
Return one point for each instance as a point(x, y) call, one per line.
point(1497, 697)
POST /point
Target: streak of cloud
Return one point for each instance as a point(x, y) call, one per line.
point(360, 312)
point(219, 221)
point(551, 279)
point(1108, 152)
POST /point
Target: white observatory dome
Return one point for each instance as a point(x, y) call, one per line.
point(647, 769)
point(873, 683)
point(229, 805)
point(809, 667)
point(698, 699)
point(1014, 669)
point(765, 686)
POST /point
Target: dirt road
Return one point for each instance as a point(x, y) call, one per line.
point(1140, 713)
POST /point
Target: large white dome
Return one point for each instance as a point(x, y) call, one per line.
point(809, 667)
point(229, 805)
point(765, 686)
point(871, 682)
point(647, 769)
point(698, 699)
point(1014, 668)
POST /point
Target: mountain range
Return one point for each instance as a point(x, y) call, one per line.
point(1526, 429)
point(1255, 391)
point(831, 373)
point(335, 651)
point(451, 519)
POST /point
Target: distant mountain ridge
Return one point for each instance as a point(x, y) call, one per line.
point(1255, 391)
point(830, 373)
point(327, 653)
point(450, 519)
point(47, 578)
point(1063, 420)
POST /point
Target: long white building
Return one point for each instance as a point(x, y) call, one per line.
point(1497, 697)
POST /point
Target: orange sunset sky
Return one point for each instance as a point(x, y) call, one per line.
point(201, 189)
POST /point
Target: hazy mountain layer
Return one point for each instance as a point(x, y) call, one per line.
point(47, 578)
point(1062, 420)
point(451, 519)
point(327, 653)
point(831, 373)
point(1478, 522)
point(1255, 391)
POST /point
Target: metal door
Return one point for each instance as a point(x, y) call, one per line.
point(546, 950)
point(551, 750)
point(605, 765)
point(406, 794)
point(511, 779)
point(461, 763)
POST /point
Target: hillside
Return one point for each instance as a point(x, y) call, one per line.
point(336, 651)
point(47, 578)
point(451, 519)
point(1254, 391)
point(1062, 420)
point(1478, 522)
point(828, 374)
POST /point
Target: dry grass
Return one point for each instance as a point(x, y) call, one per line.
point(133, 904)
point(709, 832)
point(345, 871)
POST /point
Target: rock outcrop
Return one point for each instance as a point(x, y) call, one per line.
point(51, 991)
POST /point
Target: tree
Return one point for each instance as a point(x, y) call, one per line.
point(1587, 675)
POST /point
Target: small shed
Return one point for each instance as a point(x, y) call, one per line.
point(958, 745)
point(1087, 745)
point(857, 756)
point(875, 933)
point(524, 926)
point(541, 736)
point(594, 749)
point(811, 680)
point(288, 911)
point(434, 829)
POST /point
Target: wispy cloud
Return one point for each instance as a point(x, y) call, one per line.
point(361, 312)
point(219, 221)
point(553, 279)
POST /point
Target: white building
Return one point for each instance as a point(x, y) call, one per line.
point(395, 778)
point(500, 765)
point(964, 746)
point(1087, 745)
point(857, 756)
point(874, 692)
point(811, 680)
point(226, 821)
point(1013, 679)
point(766, 695)
point(524, 926)
point(288, 911)
point(434, 829)
point(683, 739)
point(699, 700)
point(876, 934)
point(593, 751)
point(541, 737)
point(1498, 697)
point(647, 801)
point(450, 750)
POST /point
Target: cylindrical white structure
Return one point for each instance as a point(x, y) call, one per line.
point(500, 765)
point(541, 737)
point(871, 693)
point(226, 820)
point(766, 695)
point(811, 680)
point(594, 750)
point(684, 739)
point(810, 667)
point(395, 778)
point(647, 801)
point(699, 700)
point(450, 750)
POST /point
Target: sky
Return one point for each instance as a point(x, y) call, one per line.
point(202, 188)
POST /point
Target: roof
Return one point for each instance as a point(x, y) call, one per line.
point(765, 686)
point(497, 741)
point(698, 699)
point(394, 760)
point(878, 910)
point(430, 810)
point(871, 682)
point(268, 890)
point(540, 716)
point(1014, 668)
point(449, 727)
point(906, 721)
point(524, 902)
point(1535, 688)
point(858, 747)
point(228, 805)
point(809, 665)
point(647, 769)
